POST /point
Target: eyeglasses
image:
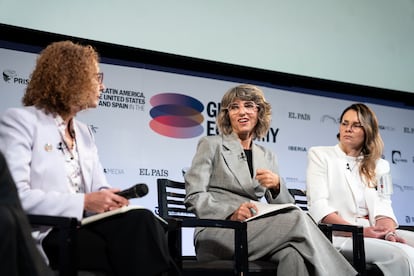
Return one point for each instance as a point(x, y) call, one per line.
point(353, 126)
point(249, 107)
point(100, 76)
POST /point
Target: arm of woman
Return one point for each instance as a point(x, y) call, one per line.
point(29, 145)
point(268, 176)
point(318, 189)
point(199, 179)
point(377, 231)
point(386, 222)
point(104, 200)
point(389, 226)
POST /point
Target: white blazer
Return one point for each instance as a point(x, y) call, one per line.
point(329, 187)
point(30, 140)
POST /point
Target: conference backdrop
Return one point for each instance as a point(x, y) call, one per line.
point(149, 121)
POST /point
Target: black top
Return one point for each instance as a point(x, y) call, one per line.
point(249, 157)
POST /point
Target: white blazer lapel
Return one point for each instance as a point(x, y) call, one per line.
point(84, 155)
point(349, 180)
point(341, 168)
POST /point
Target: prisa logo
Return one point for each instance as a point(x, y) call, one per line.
point(176, 115)
point(8, 75)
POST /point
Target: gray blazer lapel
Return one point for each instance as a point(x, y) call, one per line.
point(232, 154)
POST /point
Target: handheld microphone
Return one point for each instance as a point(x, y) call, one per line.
point(136, 191)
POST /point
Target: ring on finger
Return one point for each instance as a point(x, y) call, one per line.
point(389, 234)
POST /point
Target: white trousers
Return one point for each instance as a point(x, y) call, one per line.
point(391, 257)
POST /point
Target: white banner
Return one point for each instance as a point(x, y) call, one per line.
point(149, 122)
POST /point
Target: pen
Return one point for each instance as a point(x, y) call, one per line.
point(253, 211)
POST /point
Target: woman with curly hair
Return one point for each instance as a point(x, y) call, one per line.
point(54, 161)
point(230, 175)
point(349, 183)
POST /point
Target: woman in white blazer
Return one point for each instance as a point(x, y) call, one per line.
point(229, 171)
point(349, 183)
point(54, 161)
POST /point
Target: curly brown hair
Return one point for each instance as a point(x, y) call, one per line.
point(245, 92)
point(63, 78)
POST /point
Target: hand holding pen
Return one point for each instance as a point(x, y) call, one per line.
point(245, 211)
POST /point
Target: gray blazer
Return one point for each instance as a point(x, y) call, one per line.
point(219, 180)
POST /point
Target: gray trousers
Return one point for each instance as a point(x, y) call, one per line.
point(290, 238)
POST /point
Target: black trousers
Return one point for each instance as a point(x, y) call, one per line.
point(131, 243)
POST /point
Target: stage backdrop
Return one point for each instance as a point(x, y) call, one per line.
point(149, 121)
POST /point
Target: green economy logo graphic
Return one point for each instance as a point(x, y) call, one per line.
point(176, 115)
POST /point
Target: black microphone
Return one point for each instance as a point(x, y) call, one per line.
point(347, 167)
point(60, 146)
point(136, 191)
point(242, 156)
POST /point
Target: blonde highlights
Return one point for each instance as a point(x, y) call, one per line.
point(373, 145)
point(245, 92)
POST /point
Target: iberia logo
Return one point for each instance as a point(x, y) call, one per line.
point(176, 115)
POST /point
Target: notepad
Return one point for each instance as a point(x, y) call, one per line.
point(121, 210)
point(264, 208)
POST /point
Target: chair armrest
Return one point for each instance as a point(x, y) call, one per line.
point(67, 239)
point(53, 221)
point(358, 246)
point(237, 225)
point(326, 229)
point(406, 227)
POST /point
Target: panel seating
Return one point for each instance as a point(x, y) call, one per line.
point(171, 207)
point(357, 232)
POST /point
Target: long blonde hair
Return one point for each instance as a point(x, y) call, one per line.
point(373, 145)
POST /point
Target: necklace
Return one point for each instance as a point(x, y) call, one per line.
point(352, 162)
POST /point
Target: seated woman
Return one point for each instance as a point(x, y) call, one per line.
point(229, 171)
point(347, 184)
point(54, 162)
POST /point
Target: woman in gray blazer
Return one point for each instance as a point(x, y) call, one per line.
point(54, 162)
point(230, 174)
point(349, 183)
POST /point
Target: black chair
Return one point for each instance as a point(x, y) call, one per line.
point(67, 241)
point(10, 202)
point(18, 251)
point(357, 232)
point(300, 198)
point(171, 207)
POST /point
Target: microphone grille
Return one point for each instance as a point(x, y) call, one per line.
point(141, 189)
